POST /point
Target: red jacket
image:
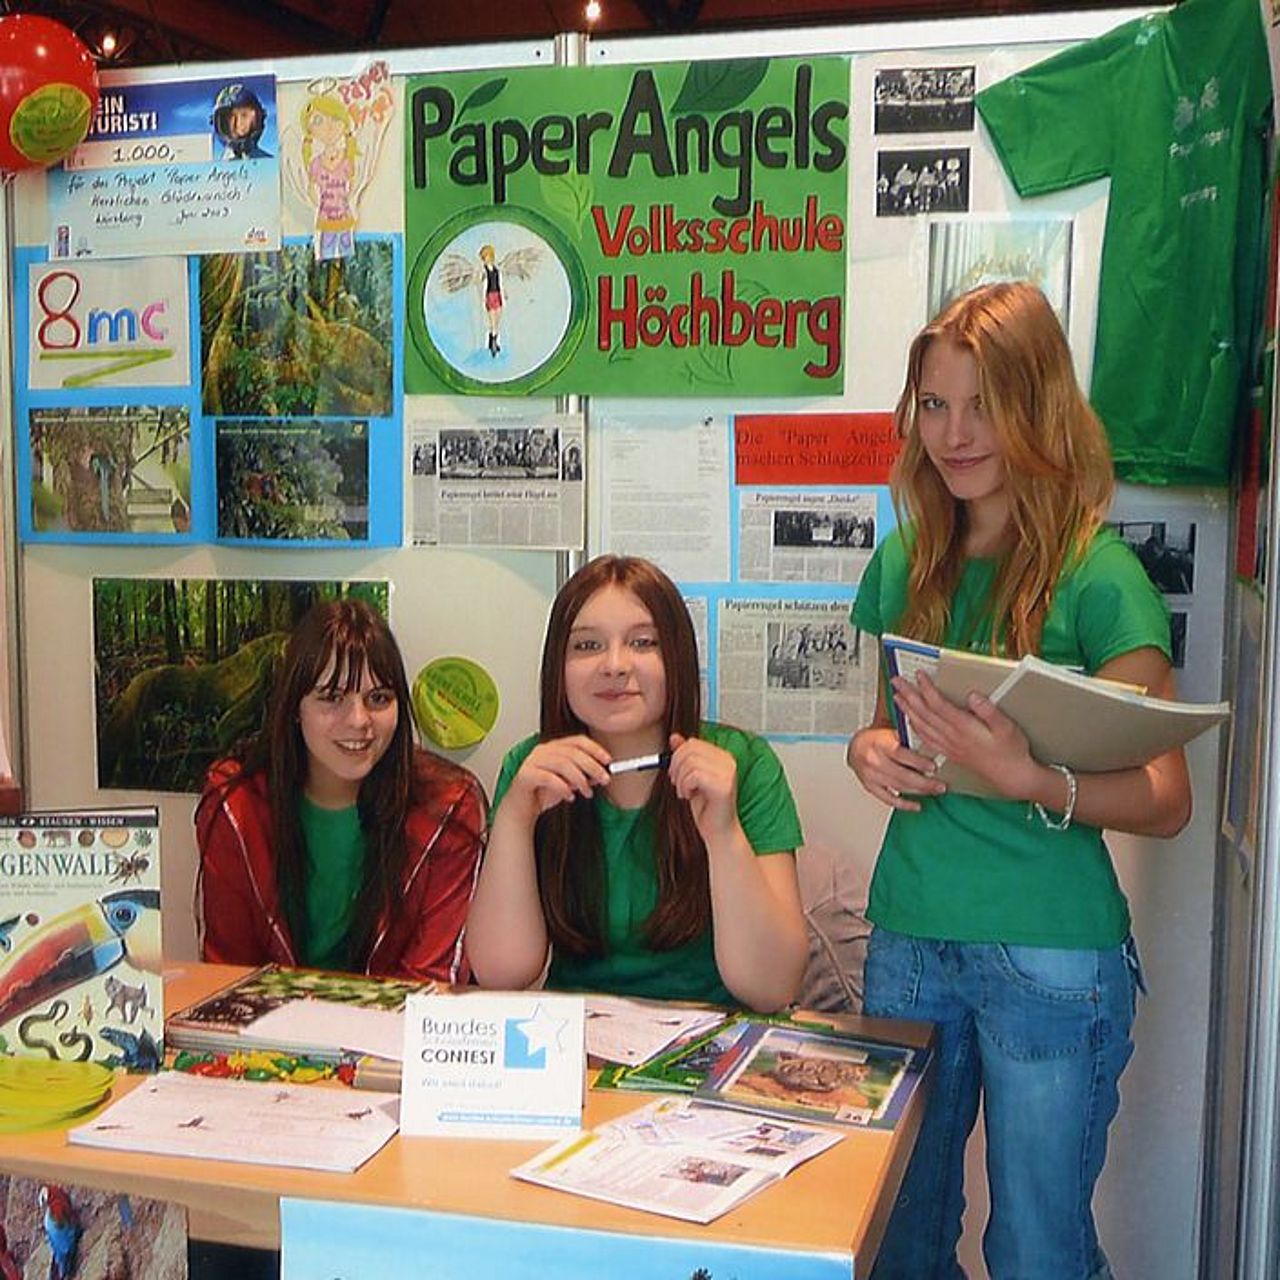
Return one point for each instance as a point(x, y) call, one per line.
point(238, 911)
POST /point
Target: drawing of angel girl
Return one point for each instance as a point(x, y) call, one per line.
point(457, 273)
point(329, 154)
point(329, 162)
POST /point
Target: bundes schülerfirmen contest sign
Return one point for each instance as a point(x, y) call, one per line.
point(668, 230)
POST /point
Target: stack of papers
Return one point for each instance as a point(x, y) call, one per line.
point(677, 1158)
point(296, 1125)
point(633, 1031)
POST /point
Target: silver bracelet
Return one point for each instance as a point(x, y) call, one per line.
point(1073, 790)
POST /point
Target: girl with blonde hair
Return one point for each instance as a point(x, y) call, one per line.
point(1000, 919)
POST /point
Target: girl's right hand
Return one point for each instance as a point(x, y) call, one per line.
point(889, 771)
point(557, 772)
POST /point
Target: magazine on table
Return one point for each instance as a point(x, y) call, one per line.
point(819, 1075)
point(677, 1158)
point(80, 947)
point(683, 1067)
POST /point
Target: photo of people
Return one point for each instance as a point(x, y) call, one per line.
point(239, 121)
point(909, 183)
point(924, 99)
point(815, 529)
point(423, 462)
point(481, 453)
point(810, 655)
point(571, 463)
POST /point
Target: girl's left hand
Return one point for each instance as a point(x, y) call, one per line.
point(979, 736)
point(707, 777)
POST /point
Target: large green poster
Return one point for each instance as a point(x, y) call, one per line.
point(668, 230)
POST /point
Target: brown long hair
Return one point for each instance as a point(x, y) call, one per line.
point(1057, 466)
point(567, 837)
point(352, 636)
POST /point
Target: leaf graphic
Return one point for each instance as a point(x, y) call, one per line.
point(712, 364)
point(717, 86)
point(751, 291)
point(482, 94)
point(569, 194)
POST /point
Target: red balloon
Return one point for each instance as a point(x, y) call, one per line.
point(48, 91)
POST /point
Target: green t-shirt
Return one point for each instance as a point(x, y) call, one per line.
point(335, 867)
point(768, 816)
point(969, 869)
point(1174, 108)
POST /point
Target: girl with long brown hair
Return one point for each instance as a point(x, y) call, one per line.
point(1001, 920)
point(672, 880)
point(331, 840)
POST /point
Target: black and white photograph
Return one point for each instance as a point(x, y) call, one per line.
point(1167, 549)
point(814, 530)
point(910, 183)
point(482, 453)
point(571, 463)
point(809, 655)
point(424, 458)
point(924, 99)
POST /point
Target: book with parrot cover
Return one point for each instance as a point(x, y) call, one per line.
point(80, 952)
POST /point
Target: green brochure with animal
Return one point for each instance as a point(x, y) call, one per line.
point(80, 953)
point(323, 1015)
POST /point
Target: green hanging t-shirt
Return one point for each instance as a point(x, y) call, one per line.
point(335, 849)
point(1174, 108)
point(629, 966)
point(971, 869)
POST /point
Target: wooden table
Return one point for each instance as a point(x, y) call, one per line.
point(837, 1202)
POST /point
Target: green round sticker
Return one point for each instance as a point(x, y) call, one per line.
point(455, 702)
point(49, 121)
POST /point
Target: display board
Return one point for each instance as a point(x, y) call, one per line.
point(755, 473)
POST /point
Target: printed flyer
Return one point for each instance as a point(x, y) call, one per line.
point(677, 228)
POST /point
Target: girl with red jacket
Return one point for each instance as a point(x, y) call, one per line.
point(332, 841)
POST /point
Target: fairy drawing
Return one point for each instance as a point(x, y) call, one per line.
point(457, 273)
point(330, 156)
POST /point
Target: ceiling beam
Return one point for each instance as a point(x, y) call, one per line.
point(231, 28)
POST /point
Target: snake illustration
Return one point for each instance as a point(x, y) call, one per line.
point(67, 1039)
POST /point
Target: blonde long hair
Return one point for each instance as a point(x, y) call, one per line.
point(1058, 476)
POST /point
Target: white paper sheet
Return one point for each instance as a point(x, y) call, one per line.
point(305, 1024)
point(303, 1126)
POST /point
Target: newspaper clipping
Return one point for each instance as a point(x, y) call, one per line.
point(805, 536)
point(794, 667)
point(498, 485)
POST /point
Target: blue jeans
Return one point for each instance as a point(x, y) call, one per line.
point(1042, 1034)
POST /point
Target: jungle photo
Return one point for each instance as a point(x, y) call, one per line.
point(124, 469)
point(182, 669)
point(282, 334)
point(293, 480)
